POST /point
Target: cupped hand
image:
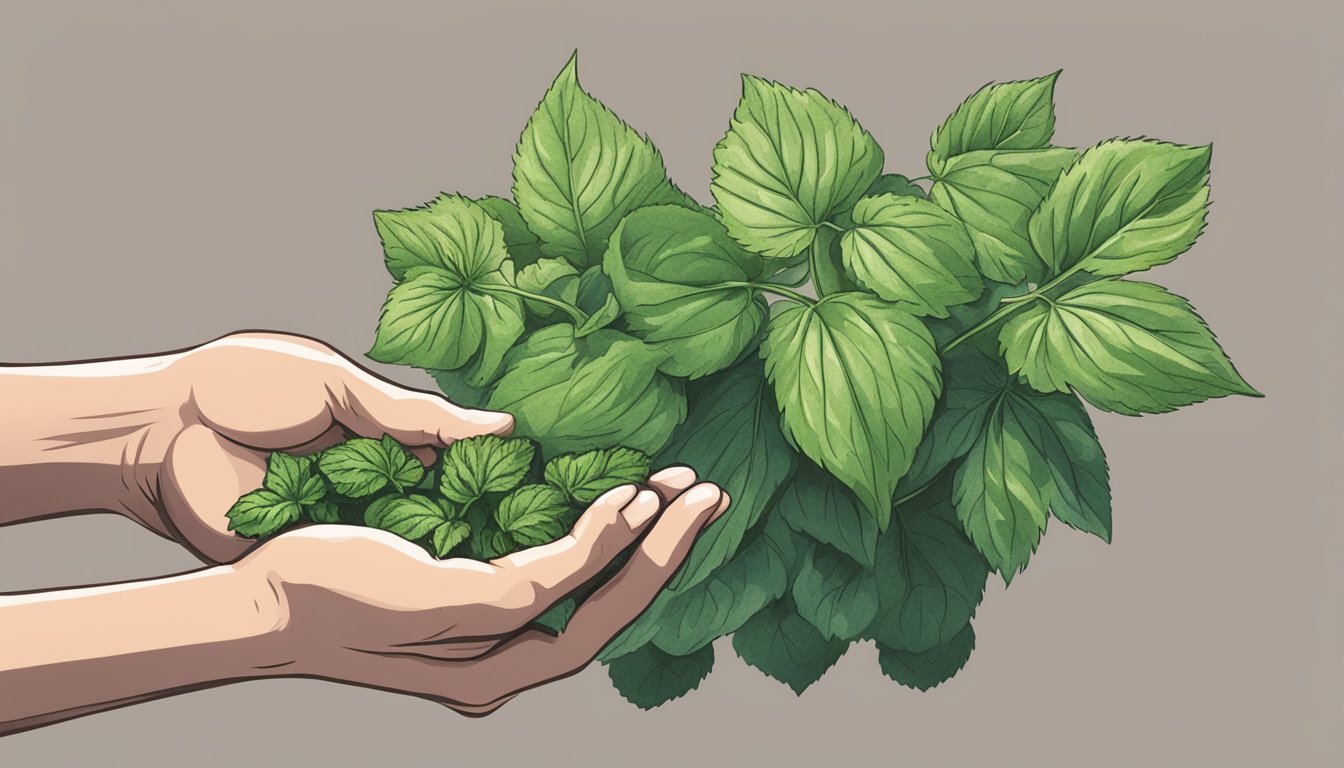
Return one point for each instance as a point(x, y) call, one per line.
point(365, 607)
point(240, 397)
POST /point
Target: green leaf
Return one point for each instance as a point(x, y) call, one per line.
point(1124, 206)
point(1127, 347)
point(261, 513)
point(683, 284)
point(930, 578)
point(856, 379)
point(1061, 430)
point(573, 395)
point(410, 517)
point(963, 317)
point(692, 618)
point(533, 514)
point(585, 476)
point(837, 595)
point(649, 677)
point(523, 246)
point(733, 437)
point(557, 617)
point(323, 512)
point(553, 278)
point(929, 668)
point(457, 385)
point(292, 478)
point(579, 169)
point(994, 193)
point(785, 646)
point(604, 316)
point(436, 319)
point(363, 466)
point(1014, 115)
point(491, 543)
point(906, 249)
point(816, 504)
point(790, 160)
point(448, 535)
point(893, 184)
point(484, 464)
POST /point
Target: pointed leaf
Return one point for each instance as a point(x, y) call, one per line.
point(649, 677)
point(1013, 115)
point(484, 464)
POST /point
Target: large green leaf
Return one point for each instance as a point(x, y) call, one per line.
point(835, 593)
point(363, 466)
point(483, 464)
point(573, 395)
point(786, 646)
point(1014, 115)
point(929, 668)
point(907, 249)
point(584, 476)
point(930, 578)
point(1061, 430)
point(856, 379)
point(683, 285)
point(817, 504)
point(450, 233)
point(579, 169)
point(732, 436)
point(533, 514)
point(649, 677)
point(1124, 206)
point(523, 246)
point(994, 194)
point(790, 160)
point(1125, 346)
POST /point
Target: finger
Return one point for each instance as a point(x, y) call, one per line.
point(202, 476)
point(373, 407)
point(532, 580)
point(334, 434)
point(669, 482)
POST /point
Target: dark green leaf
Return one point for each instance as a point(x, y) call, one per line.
point(817, 504)
point(533, 514)
point(523, 246)
point(649, 677)
point(585, 476)
point(836, 594)
point(363, 466)
point(932, 667)
point(323, 512)
point(785, 646)
point(1061, 430)
point(484, 464)
point(604, 316)
point(1014, 115)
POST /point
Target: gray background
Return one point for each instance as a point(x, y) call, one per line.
point(168, 174)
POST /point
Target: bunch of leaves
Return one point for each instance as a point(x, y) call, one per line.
point(887, 375)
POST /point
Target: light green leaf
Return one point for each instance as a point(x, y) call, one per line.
point(604, 316)
point(585, 476)
point(837, 595)
point(908, 250)
point(484, 464)
point(523, 246)
point(578, 170)
point(929, 668)
point(1014, 115)
point(994, 194)
point(785, 646)
point(856, 379)
point(292, 477)
point(261, 513)
point(554, 278)
point(450, 233)
point(410, 517)
point(573, 395)
point(1124, 206)
point(816, 504)
point(649, 677)
point(448, 535)
point(533, 514)
point(1125, 346)
point(363, 466)
point(733, 437)
point(437, 320)
point(930, 578)
point(683, 284)
point(894, 184)
point(790, 160)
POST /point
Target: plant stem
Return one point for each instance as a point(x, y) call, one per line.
point(914, 493)
point(778, 290)
point(832, 225)
point(1011, 305)
point(576, 314)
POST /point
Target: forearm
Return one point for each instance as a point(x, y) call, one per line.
point(79, 437)
point(69, 653)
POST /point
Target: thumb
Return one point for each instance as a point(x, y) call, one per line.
point(372, 407)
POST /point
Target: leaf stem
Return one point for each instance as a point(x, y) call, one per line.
point(576, 314)
point(1011, 305)
point(914, 493)
point(832, 225)
point(778, 290)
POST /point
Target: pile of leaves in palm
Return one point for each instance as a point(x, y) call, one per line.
point(888, 377)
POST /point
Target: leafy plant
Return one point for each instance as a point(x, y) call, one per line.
point(885, 376)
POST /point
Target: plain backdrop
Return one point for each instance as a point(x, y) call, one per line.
point(171, 172)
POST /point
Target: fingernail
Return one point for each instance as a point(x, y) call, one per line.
point(620, 495)
point(702, 496)
point(678, 476)
point(641, 510)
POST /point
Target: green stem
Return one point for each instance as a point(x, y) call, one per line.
point(778, 290)
point(576, 314)
point(1011, 305)
point(921, 178)
point(832, 225)
point(914, 493)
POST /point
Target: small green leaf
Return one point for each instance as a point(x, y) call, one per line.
point(837, 595)
point(578, 170)
point(790, 160)
point(994, 194)
point(786, 646)
point(817, 504)
point(557, 617)
point(929, 668)
point(856, 379)
point(451, 233)
point(1124, 206)
point(604, 316)
point(908, 250)
point(683, 284)
point(533, 515)
point(523, 246)
point(292, 478)
point(553, 278)
point(1127, 347)
point(410, 517)
point(893, 184)
point(649, 677)
point(1062, 431)
point(363, 466)
point(261, 513)
point(323, 512)
point(484, 464)
point(1014, 115)
point(490, 543)
point(585, 476)
point(448, 535)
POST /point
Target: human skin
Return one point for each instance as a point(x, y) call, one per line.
point(172, 440)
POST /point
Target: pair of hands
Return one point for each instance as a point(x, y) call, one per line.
point(364, 606)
